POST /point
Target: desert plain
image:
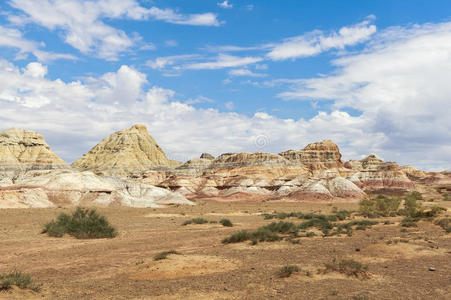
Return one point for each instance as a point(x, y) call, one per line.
point(123, 267)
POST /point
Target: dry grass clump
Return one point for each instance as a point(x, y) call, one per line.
point(226, 223)
point(19, 279)
point(349, 267)
point(164, 254)
point(287, 270)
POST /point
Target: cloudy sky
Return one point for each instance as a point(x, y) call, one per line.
point(229, 76)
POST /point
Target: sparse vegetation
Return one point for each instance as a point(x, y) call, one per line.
point(348, 267)
point(164, 254)
point(445, 223)
point(84, 223)
point(287, 271)
point(195, 221)
point(339, 215)
point(226, 222)
point(409, 222)
point(381, 206)
point(19, 279)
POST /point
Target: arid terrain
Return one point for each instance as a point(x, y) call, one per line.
point(123, 267)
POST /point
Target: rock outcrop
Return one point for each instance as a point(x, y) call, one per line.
point(22, 150)
point(70, 188)
point(128, 168)
point(386, 176)
point(130, 150)
point(317, 157)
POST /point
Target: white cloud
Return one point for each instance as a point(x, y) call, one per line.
point(229, 105)
point(170, 16)
point(315, 42)
point(162, 63)
point(200, 99)
point(223, 61)
point(225, 4)
point(400, 84)
point(81, 22)
point(10, 37)
point(245, 72)
point(171, 43)
point(74, 116)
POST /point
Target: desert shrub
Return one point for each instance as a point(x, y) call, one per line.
point(322, 224)
point(226, 222)
point(84, 223)
point(238, 237)
point(18, 279)
point(310, 234)
point(446, 197)
point(409, 222)
point(164, 254)
point(381, 206)
point(445, 223)
point(340, 215)
point(287, 270)
point(348, 267)
point(412, 208)
point(414, 195)
point(195, 221)
point(343, 215)
point(281, 227)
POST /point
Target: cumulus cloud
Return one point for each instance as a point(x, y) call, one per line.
point(400, 86)
point(83, 28)
point(317, 41)
point(10, 37)
point(74, 116)
point(397, 88)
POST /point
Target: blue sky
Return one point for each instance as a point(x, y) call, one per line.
point(218, 76)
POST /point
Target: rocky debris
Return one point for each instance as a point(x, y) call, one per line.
point(127, 150)
point(22, 150)
point(69, 188)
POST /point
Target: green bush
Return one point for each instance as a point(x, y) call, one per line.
point(164, 254)
point(195, 221)
point(226, 222)
point(84, 223)
point(381, 206)
point(286, 271)
point(18, 279)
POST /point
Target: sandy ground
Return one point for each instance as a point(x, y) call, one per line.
point(123, 267)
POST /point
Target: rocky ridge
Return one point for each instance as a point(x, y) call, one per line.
point(129, 168)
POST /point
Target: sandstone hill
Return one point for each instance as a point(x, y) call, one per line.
point(25, 149)
point(129, 168)
point(31, 175)
point(127, 150)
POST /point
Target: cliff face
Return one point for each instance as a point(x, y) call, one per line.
point(129, 150)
